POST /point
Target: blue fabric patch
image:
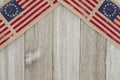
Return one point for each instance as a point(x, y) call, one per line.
point(11, 10)
point(109, 9)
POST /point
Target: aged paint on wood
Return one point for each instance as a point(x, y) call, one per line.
point(67, 52)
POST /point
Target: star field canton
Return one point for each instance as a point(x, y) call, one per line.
point(11, 10)
point(110, 10)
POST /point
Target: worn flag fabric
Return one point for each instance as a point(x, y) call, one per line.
point(16, 16)
point(101, 15)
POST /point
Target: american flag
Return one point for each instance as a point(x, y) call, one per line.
point(17, 16)
point(102, 15)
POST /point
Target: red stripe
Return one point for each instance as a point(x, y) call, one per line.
point(90, 3)
point(86, 5)
point(106, 27)
point(23, 3)
point(5, 34)
point(95, 1)
point(30, 15)
point(107, 22)
point(80, 6)
point(75, 8)
point(55, 1)
point(4, 41)
point(116, 24)
point(3, 30)
point(33, 19)
point(26, 12)
point(118, 19)
point(104, 31)
point(0, 21)
point(2, 25)
point(28, 5)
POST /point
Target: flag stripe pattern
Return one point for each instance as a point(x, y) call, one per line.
point(84, 7)
point(106, 27)
point(18, 15)
point(5, 33)
point(35, 10)
point(104, 15)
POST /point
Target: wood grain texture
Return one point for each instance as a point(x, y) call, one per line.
point(40, 37)
point(66, 45)
point(113, 63)
point(12, 61)
point(70, 50)
point(93, 51)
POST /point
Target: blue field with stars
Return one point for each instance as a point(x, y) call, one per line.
point(109, 9)
point(11, 10)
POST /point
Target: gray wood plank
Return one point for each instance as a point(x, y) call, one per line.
point(112, 62)
point(93, 51)
point(40, 38)
point(66, 45)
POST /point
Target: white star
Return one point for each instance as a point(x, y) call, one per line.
point(8, 15)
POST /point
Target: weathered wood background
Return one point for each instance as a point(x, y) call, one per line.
point(69, 50)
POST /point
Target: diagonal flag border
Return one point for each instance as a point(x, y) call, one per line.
point(88, 23)
point(28, 26)
point(71, 9)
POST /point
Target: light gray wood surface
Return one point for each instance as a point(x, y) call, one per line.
point(69, 50)
point(66, 56)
